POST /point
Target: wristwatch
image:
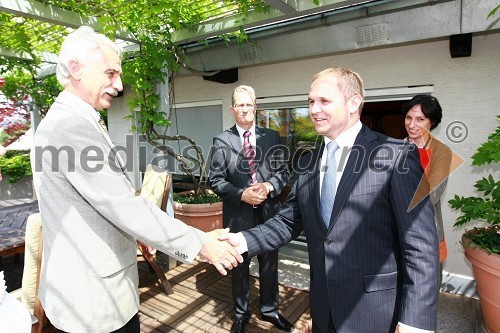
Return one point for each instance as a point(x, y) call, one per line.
point(270, 187)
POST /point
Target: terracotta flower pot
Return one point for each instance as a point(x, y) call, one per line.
point(486, 268)
point(206, 217)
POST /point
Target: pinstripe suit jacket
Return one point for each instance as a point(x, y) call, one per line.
point(377, 263)
point(91, 219)
point(229, 175)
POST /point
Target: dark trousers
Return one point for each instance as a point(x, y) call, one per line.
point(133, 326)
point(268, 275)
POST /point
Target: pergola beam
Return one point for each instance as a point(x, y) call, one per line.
point(279, 11)
point(46, 57)
point(282, 6)
point(54, 15)
point(223, 25)
point(14, 55)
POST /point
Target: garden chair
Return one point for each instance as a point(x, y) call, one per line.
point(156, 188)
point(31, 274)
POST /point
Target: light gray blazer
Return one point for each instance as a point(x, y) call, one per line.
point(91, 219)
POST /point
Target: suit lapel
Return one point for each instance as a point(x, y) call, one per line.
point(260, 138)
point(312, 182)
point(118, 157)
point(357, 162)
point(79, 107)
point(260, 146)
point(235, 140)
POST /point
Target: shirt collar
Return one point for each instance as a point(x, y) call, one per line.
point(347, 138)
point(75, 102)
point(241, 130)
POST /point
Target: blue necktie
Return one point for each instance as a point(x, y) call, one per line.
point(329, 185)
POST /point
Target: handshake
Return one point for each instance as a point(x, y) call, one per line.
point(221, 249)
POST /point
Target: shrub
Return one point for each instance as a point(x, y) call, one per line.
point(15, 164)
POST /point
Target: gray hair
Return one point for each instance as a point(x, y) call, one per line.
point(244, 89)
point(80, 45)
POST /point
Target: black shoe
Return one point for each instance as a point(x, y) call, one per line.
point(239, 325)
point(279, 322)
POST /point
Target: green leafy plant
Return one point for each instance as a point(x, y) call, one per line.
point(156, 59)
point(485, 206)
point(15, 164)
point(493, 11)
point(191, 198)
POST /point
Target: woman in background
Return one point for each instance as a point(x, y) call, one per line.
point(422, 114)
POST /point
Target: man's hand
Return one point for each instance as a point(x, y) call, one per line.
point(255, 194)
point(147, 251)
point(231, 238)
point(220, 253)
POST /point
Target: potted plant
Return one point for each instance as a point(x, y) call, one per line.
point(482, 244)
point(203, 211)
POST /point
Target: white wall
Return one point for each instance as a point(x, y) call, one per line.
point(21, 189)
point(120, 131)
point(467, 88)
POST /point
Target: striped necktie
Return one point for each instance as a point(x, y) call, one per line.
point(103, 124)
point(250, 156)
point(329, 185)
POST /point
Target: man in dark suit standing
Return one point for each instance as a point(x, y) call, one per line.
point(374, 261)
point(248, 171)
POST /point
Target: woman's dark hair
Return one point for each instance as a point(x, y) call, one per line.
point(430, 108)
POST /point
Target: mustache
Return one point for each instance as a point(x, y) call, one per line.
point(111, 92)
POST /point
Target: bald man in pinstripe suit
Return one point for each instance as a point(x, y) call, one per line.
point(374, 260)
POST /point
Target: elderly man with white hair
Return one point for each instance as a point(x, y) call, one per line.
point(90, 214)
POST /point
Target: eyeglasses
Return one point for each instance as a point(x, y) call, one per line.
point(244, 106)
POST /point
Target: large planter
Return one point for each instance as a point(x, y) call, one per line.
point(486, 268)
point(206, 217)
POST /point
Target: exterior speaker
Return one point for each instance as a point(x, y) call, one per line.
point(461, 45)
point(224, 76)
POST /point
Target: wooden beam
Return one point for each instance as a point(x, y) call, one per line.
point(45, 56)
point(54, 15)
point(278, 12)
point(282, 6)
point(14, 55)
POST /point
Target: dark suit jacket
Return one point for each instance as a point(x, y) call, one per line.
point(229, 174)
point(377, 263)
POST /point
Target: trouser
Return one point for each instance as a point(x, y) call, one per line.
point(268, 278)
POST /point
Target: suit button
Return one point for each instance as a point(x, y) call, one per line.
point(328, 241)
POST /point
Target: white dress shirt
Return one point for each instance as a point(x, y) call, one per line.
point(252, 138)
point(345, 141)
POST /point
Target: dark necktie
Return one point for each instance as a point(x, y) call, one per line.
point(103, 125)
point(329, 185)
point(250, 156)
